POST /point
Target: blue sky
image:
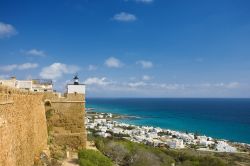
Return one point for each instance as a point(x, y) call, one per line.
point(130, 48)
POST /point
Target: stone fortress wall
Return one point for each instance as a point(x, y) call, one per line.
point(30, 122)
point(23, 129)
point(65, 118)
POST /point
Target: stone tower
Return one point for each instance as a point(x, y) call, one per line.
point(66, 116)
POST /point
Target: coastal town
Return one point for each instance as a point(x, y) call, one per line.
point(108, 125)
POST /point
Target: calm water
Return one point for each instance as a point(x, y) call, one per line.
point(219, 118)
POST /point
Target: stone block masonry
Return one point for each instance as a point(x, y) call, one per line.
point(65, 119)
point(27, 117)
point(23, 129)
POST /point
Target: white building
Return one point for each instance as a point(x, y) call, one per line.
point(76, 87)
point(175, 143)
point(109, 115)
point(103, 128)
point(109, 125)
point(11, 82)
point(100, 116)
point(117, 130)
point(29, 85)
point(205, 141)
point(41, 85)
point(103, 134)
point(24, 84)
point(99, 121)
point(223, 146)
point(152, 135)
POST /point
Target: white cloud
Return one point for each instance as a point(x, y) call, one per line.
point(113, 62)
point(97, 81)
point(146, 78)
point(35, 52)
point(233, 85)
point(145, 64)
point(24, 66)
point(7, 30)
point(137, 84)
point(124, 17)
point(92, 67)
point(57, 70)
point(230, 85)
point(169, 86)
point(104, 87)
point(8, 67)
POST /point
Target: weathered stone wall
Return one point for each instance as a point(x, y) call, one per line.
point(65, 120)
point(23, 129)
point(23, 125)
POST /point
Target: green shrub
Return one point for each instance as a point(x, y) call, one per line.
point(99, 143)
point(49, 113)
point(93, 158)
point(118, 152)
point(208, 160)
point(58, 155)
point(127, 153)
point(85, 162)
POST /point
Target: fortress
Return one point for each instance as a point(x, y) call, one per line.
point(34, 123)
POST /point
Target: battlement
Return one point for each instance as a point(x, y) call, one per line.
point(67, 97)
point(7, 93)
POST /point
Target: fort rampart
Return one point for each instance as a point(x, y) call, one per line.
point(23, 129)
point(65, 118)
point(30, 122)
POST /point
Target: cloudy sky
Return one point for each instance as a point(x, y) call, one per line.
point(130, 48)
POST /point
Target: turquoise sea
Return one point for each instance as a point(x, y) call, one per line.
point(218, 118)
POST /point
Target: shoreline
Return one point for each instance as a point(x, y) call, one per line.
point(117, 116)
point(105, 123)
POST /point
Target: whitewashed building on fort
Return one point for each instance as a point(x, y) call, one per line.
point(36, 85)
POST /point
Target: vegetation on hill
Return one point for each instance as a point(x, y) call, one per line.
point(93, 158)
point(127, 153)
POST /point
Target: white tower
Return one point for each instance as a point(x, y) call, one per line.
point(76, 87)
